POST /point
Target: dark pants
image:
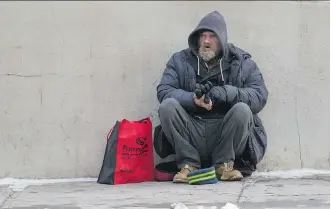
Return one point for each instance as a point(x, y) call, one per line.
point(205, 142)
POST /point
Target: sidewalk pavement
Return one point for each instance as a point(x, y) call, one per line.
point(251, 193)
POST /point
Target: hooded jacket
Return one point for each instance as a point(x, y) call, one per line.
point(236, 79)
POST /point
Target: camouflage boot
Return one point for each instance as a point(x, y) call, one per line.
point(225, 172)
point(181, 176)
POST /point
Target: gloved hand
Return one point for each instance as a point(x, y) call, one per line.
point(203, 89)
point(217, 94)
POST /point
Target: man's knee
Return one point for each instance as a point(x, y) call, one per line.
point(241, 112)
point(168, 108)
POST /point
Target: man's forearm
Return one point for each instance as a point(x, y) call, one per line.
point(184, 98)
point(255, 99)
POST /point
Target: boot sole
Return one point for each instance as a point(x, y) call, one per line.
point(234, 178)
point(180, 181)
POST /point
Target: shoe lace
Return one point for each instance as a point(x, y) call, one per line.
point(230, 166)
point(226, 166)
point(185, 169)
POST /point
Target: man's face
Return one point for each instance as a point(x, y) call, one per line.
point(208, 45)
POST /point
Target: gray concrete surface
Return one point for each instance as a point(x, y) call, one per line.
point(68, 70)
point(253, 193)
point(5, 193)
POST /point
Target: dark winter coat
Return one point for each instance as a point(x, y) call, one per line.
point(237, 79)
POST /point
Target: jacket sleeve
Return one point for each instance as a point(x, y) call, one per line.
point(254, 92)
point(170, 87)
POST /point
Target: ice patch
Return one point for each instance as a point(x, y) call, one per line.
point(182, 206)
point(178, 206)
point(229, 206)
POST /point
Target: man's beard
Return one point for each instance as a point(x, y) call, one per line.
point(206, 55)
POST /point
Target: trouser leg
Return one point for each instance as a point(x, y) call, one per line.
point(184, 133)
point(234, 131)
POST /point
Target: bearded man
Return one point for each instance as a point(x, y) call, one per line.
point(210, 95)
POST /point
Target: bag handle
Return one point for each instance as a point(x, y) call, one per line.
point(143, 120)
point(116, 124)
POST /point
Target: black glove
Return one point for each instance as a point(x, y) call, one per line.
point(217, 95)
point(198, 91)
point(203, 89)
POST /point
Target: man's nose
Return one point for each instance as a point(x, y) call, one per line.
point(207, 40)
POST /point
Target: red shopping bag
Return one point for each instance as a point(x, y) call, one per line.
point(129, 153)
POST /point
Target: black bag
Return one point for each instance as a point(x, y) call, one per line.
point(257, 142)
point(106, 175)
point(161, 144)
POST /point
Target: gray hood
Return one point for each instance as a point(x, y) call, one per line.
point(214, 22)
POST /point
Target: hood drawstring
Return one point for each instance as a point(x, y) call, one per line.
point(221, 70)
point(198, 65)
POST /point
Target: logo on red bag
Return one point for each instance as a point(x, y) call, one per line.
point(141, 140)
point(140, 150)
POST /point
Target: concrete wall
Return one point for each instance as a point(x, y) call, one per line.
point(70, 69)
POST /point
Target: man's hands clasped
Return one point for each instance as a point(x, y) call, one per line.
point(201, 97)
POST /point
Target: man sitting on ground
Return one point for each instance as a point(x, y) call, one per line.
point(210, 94)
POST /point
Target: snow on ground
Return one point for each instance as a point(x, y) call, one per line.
point(291, 173)
point(20, 184)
